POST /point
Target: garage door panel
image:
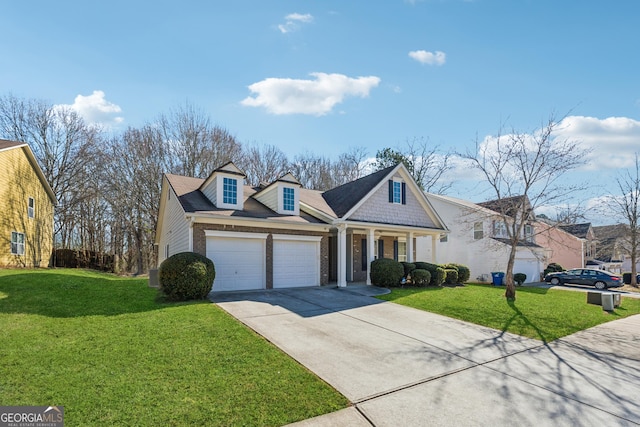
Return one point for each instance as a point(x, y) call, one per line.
point(296, 263)
point(239, 263)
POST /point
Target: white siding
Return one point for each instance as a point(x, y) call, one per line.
point(211, 190)
point(269, 198)
point(175, 228)
point(482, 256)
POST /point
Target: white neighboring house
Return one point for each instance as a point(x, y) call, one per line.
point(478, 239)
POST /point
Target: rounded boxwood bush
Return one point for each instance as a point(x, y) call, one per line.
point(519, 278)
point(437, 272)
point(464, 273)
point(386, 272)
point(450, 276)
point(408, 267)
point(420, 277)
point(186, 276)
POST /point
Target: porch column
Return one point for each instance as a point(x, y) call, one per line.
point(410, 246)
point(434, 258)
point(371, 248)
point(342, 255)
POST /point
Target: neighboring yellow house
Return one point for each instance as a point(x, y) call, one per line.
point(26, 208)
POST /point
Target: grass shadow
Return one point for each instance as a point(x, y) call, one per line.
point(518, 315)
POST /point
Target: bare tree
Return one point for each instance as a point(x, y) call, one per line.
point(65, 147)
point(523, 171)
point(263, 164)
point(196, 146)
point(627, 206)
point(426, 163)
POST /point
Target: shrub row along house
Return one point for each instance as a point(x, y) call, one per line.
point(26, 215)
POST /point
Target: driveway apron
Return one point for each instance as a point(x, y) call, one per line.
point(400, 366)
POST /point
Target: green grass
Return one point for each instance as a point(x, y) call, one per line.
point(112, 353)
point(544, 314)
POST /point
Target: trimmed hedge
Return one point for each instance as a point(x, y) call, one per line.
point(420, 277)
point(408, 268)
point(437, 272)
point(464, 273)
point(519, 278)
point(451, 276)
point(186, 276)
point(386, 272)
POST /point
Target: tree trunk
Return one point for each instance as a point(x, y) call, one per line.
point(510, 286)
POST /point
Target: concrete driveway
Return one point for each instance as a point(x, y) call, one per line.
point(404, 367)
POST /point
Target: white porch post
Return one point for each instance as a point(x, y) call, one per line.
point(410, 246)
point(342, 255)
point(371, 250)
point(434, 258)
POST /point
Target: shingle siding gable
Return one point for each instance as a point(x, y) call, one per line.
point(377, 208)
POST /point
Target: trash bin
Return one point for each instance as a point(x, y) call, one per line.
point(497, 278)
point(607, 301)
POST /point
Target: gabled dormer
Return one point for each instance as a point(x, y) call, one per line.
point(224, 187)
point(282, 195)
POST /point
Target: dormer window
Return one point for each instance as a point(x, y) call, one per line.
point(288, 199)
point(230, 191)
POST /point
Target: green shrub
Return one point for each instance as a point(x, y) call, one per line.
point(408, 268)
point(420, 277)
point(450, 276)
point(464, 273)
point(437, 272)
point(519, 278)
point(386, 272)
point(552, 268)
point(186, 276)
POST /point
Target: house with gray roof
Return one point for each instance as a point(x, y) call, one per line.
point(281, 235)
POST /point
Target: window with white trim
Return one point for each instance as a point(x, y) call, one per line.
point(288, 199)
point(17, 243)
point(499, 229)
point(230, 191)
point(31, 208)
point(402, 251)
point(397, 192)
point(528, 233)
point(477, 230)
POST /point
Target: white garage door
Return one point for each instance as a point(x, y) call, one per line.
point(239, 259)
point(530, 267)
point(296, 261)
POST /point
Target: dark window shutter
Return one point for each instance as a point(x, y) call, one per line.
point(395, 250)
point(404, 193)
point(364, 255)
point(390, 191)
point(380, 248)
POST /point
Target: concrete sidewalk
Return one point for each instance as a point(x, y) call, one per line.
point(401, 366)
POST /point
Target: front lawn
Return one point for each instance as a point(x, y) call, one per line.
point(109, 351)
point(544, 314)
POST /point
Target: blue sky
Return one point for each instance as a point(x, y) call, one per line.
point(323, 76)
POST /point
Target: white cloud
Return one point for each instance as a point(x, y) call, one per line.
point(293, 21)
point(315, 97)
point(95, 109)
point(429, 58)
point(613, 141)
